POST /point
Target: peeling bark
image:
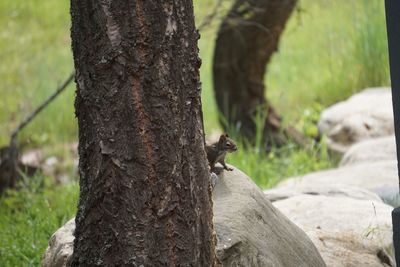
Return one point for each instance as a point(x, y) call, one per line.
point(144, 177)
point(247, 39)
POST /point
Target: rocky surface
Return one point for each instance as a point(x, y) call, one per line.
point(365, 115)
point(250, 231)
point(343, 210)
point(347, 232)
point(60, 247)
point(367, 176)
point(331, 190)
point(371, 151)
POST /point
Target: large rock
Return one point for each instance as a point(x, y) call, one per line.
point(61, 246)
point(368, 176)
point(373, 150)
point(365, 115)
point(347, 232)
point(332, 190)
point(250, 231)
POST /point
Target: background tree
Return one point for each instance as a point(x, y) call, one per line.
point(144, 197)
point(247, 38)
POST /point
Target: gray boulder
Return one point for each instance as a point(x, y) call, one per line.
point(347, 232)
point(368, 176)
point(365, 115)
point(250, 231)
point(370, 151)
point(331, 190)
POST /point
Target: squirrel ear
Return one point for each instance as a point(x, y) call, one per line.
point(226, 135)
point(222, 138)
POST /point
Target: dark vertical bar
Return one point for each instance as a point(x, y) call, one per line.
point(393, 31)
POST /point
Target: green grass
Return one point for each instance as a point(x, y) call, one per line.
point(35, 56)
point(30, 216)
point(329, 50)
point(268, 169)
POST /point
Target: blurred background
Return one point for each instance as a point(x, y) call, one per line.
point(328, 51)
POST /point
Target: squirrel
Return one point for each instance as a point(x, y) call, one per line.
point(216, 152)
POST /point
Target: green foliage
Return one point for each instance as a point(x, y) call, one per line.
point(308, 120)
point(329, 50)
point(269, 169)
point(30, 216)
point(370, 46)
point(36, 57)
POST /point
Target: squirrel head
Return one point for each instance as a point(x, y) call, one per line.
point(227, 144)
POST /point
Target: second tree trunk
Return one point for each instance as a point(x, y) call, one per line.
point(247, 38)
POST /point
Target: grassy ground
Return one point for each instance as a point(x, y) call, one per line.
point(30, 216)
point(329, 50)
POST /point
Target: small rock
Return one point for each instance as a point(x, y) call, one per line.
point(51, 161)
point(32, 158)
point(61, 246)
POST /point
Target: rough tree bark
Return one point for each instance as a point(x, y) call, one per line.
point(247, 38)
point(144, 198)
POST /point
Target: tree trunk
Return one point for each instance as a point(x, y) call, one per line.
point(144, 180)
point(247, 38)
